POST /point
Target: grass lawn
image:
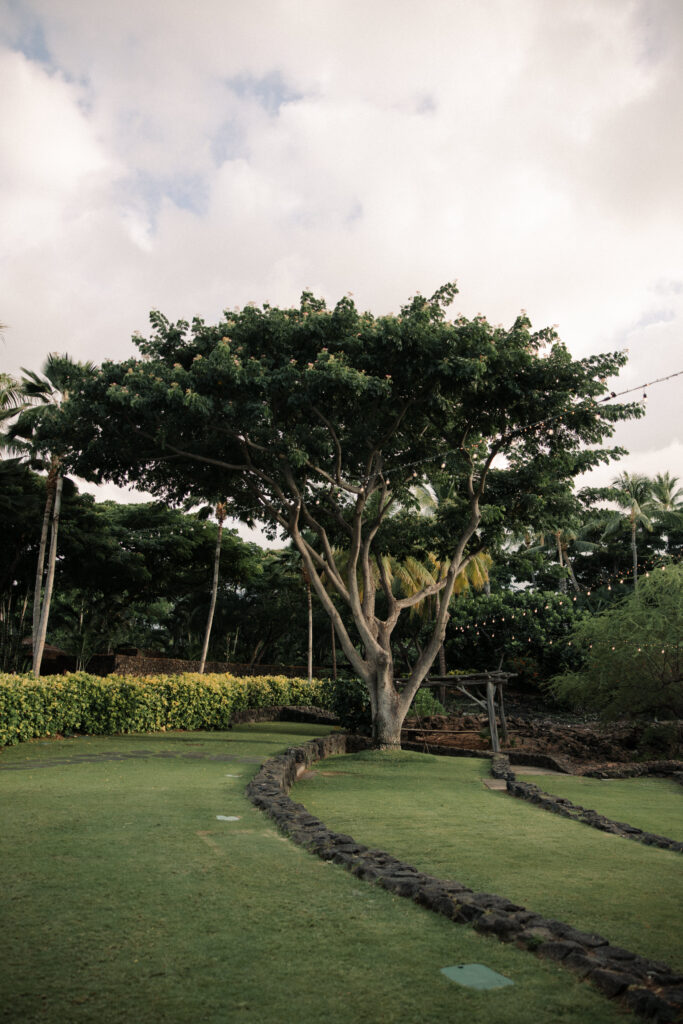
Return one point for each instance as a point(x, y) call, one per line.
point(125, 899)
point(655, 805)
point(436, 814)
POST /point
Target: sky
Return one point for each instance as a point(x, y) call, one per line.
point(196, 157)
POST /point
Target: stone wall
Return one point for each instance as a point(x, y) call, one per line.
point(647, 987)
point(145, 665)
point(566, 809)
point(285, 713)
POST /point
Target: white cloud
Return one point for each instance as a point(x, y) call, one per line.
point(228, 153)
point(49, 157)
point(649, 463)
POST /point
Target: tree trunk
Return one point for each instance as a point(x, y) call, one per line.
point(39, 646)
point(634, 551)
point(374, 662)
point(572, 577)
point(40, 566)
point(214, 592)
point(255, 654)
point(310, 627)
point(491, 708)
point(560, 558)
point(442, 649)
point(387, 718)
point(334, 652)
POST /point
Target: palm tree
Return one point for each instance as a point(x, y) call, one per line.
point(309, 602)
point(11, 397)
point(557, 543)
point(46, 393)
point(633, 493)
point(412, 576)
point(433, 493)
point(667, 505)
point(666, 495)
point(292, 562)
point(221, 513)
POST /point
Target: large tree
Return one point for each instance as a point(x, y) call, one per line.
point(318, 423)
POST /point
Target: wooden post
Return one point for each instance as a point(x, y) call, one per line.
point(501, 712)
point(495, 745)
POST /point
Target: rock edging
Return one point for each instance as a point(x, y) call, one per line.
point(647, 987)
point(500, 769)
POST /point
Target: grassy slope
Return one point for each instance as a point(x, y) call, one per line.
point(436, 814)
point(655, 805)
point(124, 899)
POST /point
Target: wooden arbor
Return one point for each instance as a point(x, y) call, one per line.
point(489, 687)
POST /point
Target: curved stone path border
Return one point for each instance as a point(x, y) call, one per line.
point(645, 986)
point(500, 769)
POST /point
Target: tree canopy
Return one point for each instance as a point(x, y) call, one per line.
point(320, 422)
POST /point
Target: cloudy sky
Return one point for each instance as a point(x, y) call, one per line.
point(192, 157)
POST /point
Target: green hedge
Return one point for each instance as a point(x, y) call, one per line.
point(78, 702)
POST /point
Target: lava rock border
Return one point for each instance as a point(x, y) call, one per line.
point(647, 987)
point(500, 769)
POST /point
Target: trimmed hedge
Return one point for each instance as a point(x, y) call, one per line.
point(78, 702)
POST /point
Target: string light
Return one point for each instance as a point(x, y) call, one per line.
point(558, 640)
point(588, 406)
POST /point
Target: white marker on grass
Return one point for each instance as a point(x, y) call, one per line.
point(226, 817)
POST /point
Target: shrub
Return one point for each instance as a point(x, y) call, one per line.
point(633, 653)
point(425, 703)
point(661, 739)
point(350, 701)
point(78, 702)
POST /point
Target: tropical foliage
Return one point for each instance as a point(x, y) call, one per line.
point(322, 420)
point(77, 702)
point(420, 470)
point(632, 653)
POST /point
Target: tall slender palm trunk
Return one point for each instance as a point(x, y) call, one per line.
point(310, 626)
point(52, 478)
point(560, 559)
point(39, 640)
point(442, 649)
point(220, 514)
point(334, 651)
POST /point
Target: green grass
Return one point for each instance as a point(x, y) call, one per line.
point(655, 805)
point(436, 814)
point(124, 899)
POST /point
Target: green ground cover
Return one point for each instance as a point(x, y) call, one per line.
point(435, 813)
point(655, 805)
point(124, 899)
